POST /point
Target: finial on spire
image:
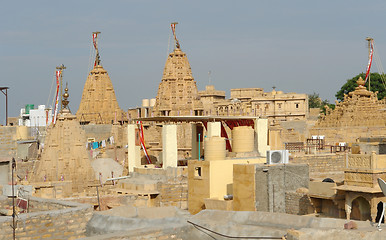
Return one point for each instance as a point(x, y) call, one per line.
point(65, 101)
point(173, 26)
point(95, 43)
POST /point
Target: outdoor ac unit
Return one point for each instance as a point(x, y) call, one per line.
point(277, 156)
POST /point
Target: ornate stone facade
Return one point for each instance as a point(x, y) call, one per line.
point(65, 157)
point(360, 114)
point(210, 97)
point(275, 105)
point(177, 93)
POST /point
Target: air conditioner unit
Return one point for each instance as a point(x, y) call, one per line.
point(277, 156)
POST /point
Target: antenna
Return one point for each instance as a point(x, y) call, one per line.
point(382, 185)
point(210, 76)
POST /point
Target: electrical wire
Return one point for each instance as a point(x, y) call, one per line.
point(378, 63)
point(170, 36)
point(49, 95)
point(234, 237)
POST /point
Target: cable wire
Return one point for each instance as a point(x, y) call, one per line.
point(378, 63)
point(235, 237)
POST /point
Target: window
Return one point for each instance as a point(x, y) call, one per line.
point(197, 172)
point(297, 105)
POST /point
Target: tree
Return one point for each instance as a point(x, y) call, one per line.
point(376, 85)
point(326, 103)
point(314, 101)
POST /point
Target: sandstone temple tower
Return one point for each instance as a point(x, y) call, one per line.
point(177, 93)
point(360, 114)
point(99, 104)
point(65, 157)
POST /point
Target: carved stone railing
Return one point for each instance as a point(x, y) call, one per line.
point(366, 161)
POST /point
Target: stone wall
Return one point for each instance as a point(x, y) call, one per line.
point(323, 163)
point(174, 193)
point(36, 205)
point(7, 141)
point(297, 203)
point(348, 134)
point(67, 223)
point(273, 181)
point(172, 185)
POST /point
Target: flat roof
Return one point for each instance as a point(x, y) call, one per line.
point(351, 188)
point(194, 118)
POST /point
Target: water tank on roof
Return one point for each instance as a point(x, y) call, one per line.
point(28, 107)
point(145, 102)
point(214, 148)
point(243, 139)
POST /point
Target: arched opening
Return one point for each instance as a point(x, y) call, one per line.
point(360, 209)
point(379, 212)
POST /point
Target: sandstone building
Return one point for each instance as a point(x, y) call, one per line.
point(360, 114)
point(64, 158)
point(99, 104)
point(274, 105)
point(177, 93)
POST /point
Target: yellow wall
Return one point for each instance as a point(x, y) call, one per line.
point(221, 174)
point(244, 187)
point(198, 187)
point(216, 177)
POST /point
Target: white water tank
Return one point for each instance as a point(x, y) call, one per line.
point(214, 148)
point(243, 139)
point(145, 102)
point(152, 102)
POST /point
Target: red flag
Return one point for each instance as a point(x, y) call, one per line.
point(142, 140)
point(94, 38)
point(370, 59)
point(56, 97)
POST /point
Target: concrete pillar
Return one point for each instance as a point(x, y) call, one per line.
point(194, 141)
point(133, 151)
point(214, 129)
point(261, 130)
point(169, 145)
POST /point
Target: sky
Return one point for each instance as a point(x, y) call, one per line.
point(296, 46)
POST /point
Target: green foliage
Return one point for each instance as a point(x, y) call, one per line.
point(351, 84)
point(327, 103)
point(314, 101)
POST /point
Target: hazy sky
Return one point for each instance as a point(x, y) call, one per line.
point(297, 46)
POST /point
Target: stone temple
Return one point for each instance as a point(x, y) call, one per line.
point(177, 93)
point(65, 157)
point(99, 104)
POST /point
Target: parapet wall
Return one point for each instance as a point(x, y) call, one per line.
point(323, 163)
point(67, 221)
point(7, 141)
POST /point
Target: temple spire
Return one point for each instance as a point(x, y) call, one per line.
point(95, 43)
